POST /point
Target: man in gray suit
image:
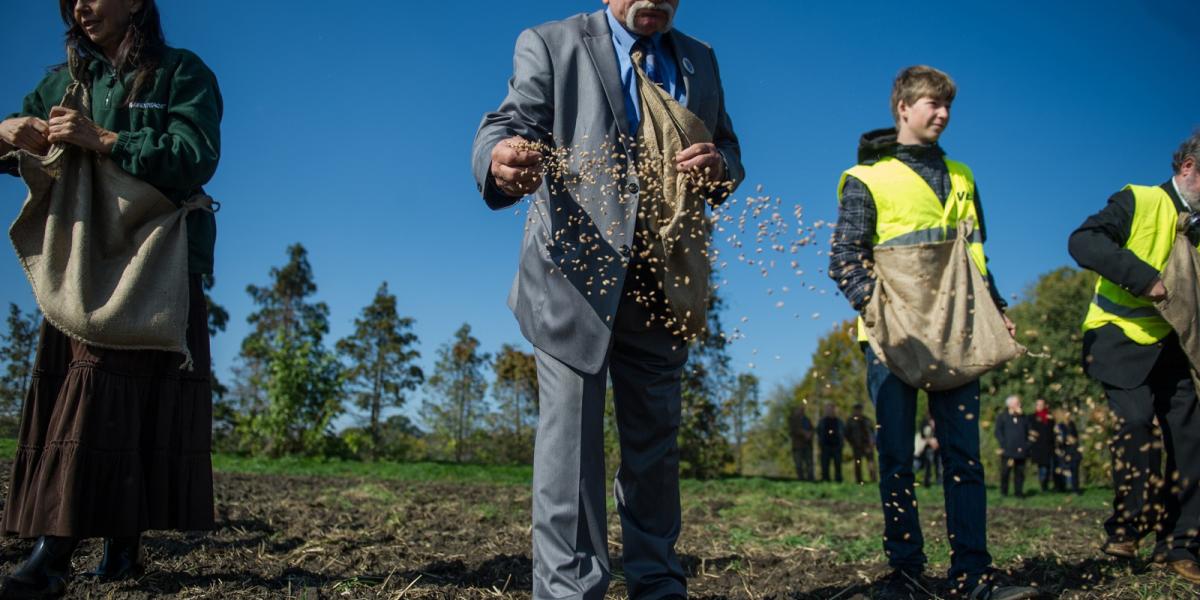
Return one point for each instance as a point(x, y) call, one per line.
point(582, 294)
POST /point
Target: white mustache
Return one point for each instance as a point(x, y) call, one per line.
point(641, 5)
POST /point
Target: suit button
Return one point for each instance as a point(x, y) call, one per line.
point(632, 188)
point(625, 250)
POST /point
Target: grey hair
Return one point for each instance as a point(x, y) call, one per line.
point(1190, 148)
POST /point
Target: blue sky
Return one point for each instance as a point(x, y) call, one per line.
point(348, 128)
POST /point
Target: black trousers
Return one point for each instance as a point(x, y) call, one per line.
point(831, 455)
point(803, 458)
point(1144, 500)
point(1015, 467)
point(868, 458)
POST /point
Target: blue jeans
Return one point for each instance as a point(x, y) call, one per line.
point(956, 417)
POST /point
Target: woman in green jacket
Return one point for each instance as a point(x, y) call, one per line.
point(117, 442)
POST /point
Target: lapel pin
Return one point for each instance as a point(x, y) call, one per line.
point(687, 66)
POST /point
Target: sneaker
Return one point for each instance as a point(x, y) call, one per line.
point(901, 585)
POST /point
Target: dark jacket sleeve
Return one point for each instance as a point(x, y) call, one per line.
point(1099, 245)
point(185, 155)
point(852, 250)
point(726, 140)
point(527, 111)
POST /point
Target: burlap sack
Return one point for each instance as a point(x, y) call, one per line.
point(673, 204)
point(931, 319)
point(105, 252)
point(1181, 309)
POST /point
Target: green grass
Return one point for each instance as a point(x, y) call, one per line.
point(1095, 498)
point(756, 491)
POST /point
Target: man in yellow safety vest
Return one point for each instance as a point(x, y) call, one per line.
point(903, 191)
point(1135, 355)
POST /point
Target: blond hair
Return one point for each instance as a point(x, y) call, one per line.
point(920, 81)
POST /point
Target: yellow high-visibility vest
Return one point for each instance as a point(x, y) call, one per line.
point(908, 211)
point(1151, 237)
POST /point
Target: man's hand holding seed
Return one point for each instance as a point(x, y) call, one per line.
point(516, 167)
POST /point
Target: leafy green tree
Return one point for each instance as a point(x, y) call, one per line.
point(516, 393)
point(455, 404)
point(17, 351)
point(837, 374)
point(305, 392)
point(741, 411)
point(707, 379)
point(1048, 323)
point(224, 412)
point(285, 358)
point(284, 307)
point(382, 359)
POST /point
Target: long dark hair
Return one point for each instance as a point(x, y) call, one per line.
point(140, 51)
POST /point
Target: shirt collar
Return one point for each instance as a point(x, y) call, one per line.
point(623, 38)
point(1183, 199)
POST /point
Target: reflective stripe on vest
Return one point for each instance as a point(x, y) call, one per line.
point(929, 236)
point(1151, 236)
point(908, 211)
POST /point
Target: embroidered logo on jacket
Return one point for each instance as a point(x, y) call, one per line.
point(148, 105)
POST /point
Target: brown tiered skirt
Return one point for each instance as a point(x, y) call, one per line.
point(115, 442)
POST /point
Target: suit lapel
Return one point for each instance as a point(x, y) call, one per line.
point(681, 64)
point(604, 57)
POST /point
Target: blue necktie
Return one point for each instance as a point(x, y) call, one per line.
point(645, 48)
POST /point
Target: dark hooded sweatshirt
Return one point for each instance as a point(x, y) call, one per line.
point(853, 238)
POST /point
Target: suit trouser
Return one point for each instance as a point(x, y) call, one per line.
point(570, 553)
point(803, 458)
point(1014, 468)
point(1139, 487)
point(957, 415)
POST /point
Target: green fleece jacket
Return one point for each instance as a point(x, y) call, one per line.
point(169, 136)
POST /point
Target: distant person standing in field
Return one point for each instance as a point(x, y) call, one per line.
point(1067, 457)
point(904, 191)
point(1134, 353)
point(860, 434)
point(117, 442)
point(929, 459)
point(801, 429)
point(1013, 433)
point(589, 294)
point(831, 438)
point(1041, 447)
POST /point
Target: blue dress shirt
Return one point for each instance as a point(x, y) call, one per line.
point(623, 42)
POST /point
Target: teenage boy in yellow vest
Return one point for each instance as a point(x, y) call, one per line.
point(905, 191)
point(1134, 353)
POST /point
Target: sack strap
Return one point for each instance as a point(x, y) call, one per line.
point(202, 202)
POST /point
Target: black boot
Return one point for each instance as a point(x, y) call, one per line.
point(45, 573)
point(122, 559)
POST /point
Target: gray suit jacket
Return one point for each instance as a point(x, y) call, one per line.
point(566, 92)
